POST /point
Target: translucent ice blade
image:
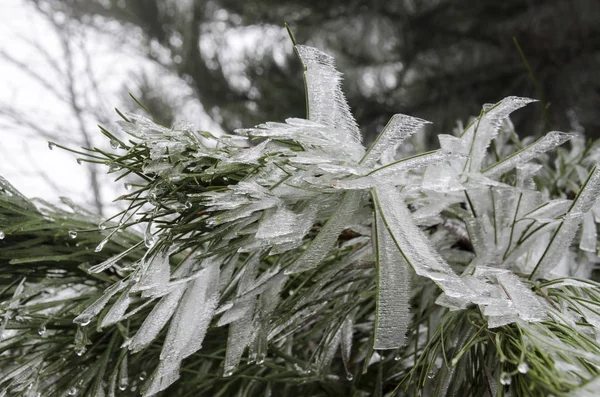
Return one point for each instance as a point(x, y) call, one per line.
point(412, 243)
point(240, 331)
point(485, 128)
point(589, 235)
point(189, 324)
point(325, 99)
point(389, 172)
point(346, 342)
point(157, 319)
point(393, 292)
point(156, 271)
point(249, 155)
point(117, 310)
point(542, 145)
point(566, 230)
point(322, 244)
point(277, 222)
point(203, 315)
point(394, 133)
point(526, 303)
point(330, 347)
point(92, 311)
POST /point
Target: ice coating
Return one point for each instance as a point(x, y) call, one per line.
point(326, 100)
point(393, 134)
point(187, 328)
point(542, 145)
point(413, 245)
point(483, 130)
point(320, 246)
point(566, 230)
point(393, 292)
point(240, 331)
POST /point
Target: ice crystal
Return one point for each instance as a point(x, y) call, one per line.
point(318, 205)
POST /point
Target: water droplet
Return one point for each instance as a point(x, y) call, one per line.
point(83, 319)
point(505, 378)
point(42, 330)
point(72, 234)
point(227, 374)
point(349, 376)
point(260, 359)
point(51, 145)
point(102, 226)
point(523, 368)
point(149, 239)
point(2, 235)
point(113, 168)
point(123, 385)
point(100, 246)
point(188, 205)
point(19, 318)
point(114, 144)
point(79, 161)
point(397, 358)
point(127, 186)
point(72, 391)
point(431, 374)
point(143, 375)
point(80, 351)
point(133, 388)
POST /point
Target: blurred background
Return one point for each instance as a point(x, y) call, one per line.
point(224, 64)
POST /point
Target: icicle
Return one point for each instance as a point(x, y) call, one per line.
point(393, 291)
